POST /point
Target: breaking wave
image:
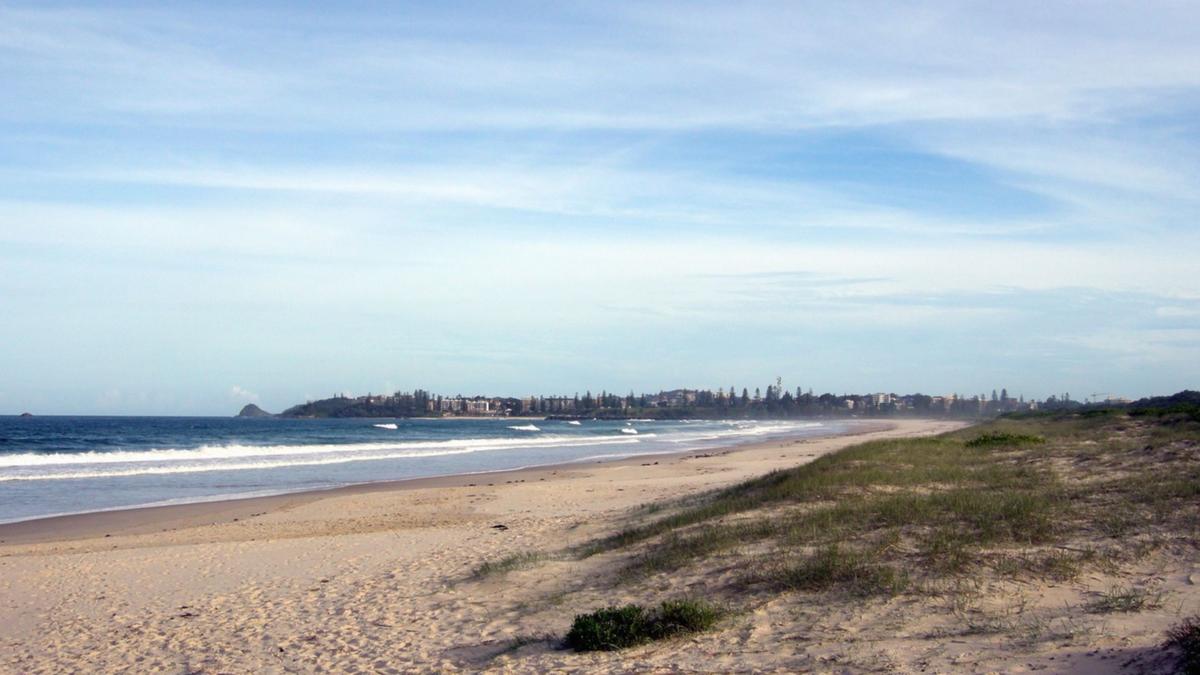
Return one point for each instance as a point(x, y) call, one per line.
point(31, 466)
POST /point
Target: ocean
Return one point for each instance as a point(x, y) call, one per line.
point(63, 465)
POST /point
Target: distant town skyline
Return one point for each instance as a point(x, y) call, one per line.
point(206, 205)
point(774, 402)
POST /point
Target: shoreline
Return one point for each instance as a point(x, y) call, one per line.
point(379, 577)
point(149, 518)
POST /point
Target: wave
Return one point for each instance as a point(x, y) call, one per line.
point(268, 463)
point(31, 466)
point(524, 427)
point(574, 423)
point(237, 451)
point(390, 425)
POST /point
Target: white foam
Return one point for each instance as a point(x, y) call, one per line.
point(234, 457)
point(268, 463)
point(235, 451)
point(392, 426)
point(524, 427)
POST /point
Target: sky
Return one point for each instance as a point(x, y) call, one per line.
point(212, 204)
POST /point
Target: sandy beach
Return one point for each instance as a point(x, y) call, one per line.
point(380, 578)
point(364, 579)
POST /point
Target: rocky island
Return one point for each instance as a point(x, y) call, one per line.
point(251, 410)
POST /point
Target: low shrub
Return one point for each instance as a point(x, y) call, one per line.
point(609, 629)
point(613, 628)
point(676, 617)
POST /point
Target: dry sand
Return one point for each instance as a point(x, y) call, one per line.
point(377, 579)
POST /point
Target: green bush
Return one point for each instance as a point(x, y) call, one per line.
point(609, 628)
point(614, 628)
point(676, 617)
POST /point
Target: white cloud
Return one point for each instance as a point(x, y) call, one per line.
point(237, 393)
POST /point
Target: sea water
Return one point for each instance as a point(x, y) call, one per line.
point(60, 465)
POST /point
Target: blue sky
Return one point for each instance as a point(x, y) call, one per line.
point(207, 205)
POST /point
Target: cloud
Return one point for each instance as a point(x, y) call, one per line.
point(1176, 312)
point(473, 195)
point(1142, 346)
point(239, 394)
point(757, 66)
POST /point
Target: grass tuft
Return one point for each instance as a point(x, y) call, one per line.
point(613, 628)
point(836, 567)
point(1125, 599)
point(505, 565)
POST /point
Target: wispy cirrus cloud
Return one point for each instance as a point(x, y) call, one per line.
point(766, 65)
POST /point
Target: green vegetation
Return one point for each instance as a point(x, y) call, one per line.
point(1036, 497)
point(1184, 406)
point(1000, 439)
point(614, 628)
point(776, 402)
point(1125, 599)
point(874, 490)
point(1047, 497)
point(832, 566)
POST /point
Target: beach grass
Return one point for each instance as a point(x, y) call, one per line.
point(1042, 497)
point(1035, 498)
point(1125, 599)
point(858, 572)
point(515, 561)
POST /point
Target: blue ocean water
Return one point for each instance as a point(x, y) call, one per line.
point(59, 465)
